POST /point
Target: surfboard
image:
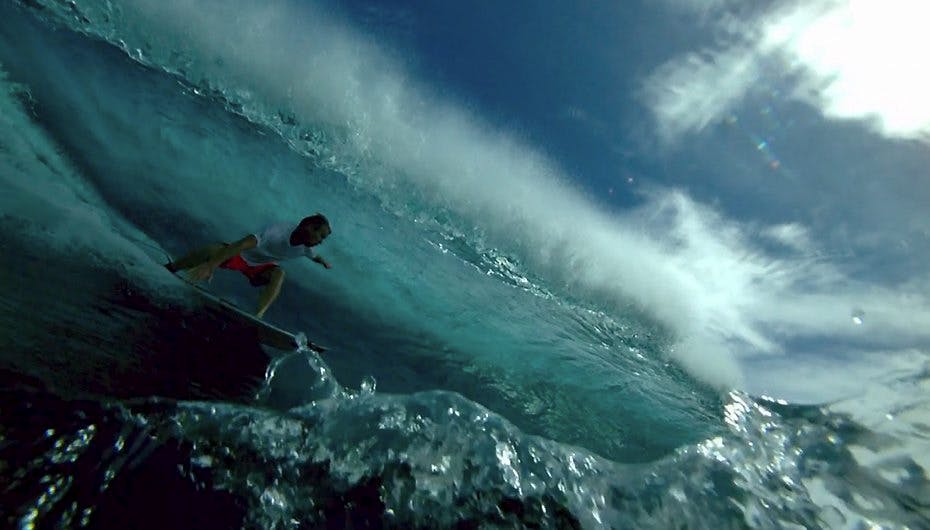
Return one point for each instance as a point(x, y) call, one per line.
point(266, 333)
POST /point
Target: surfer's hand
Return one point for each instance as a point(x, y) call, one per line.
point(321, 261)
point(201, 272)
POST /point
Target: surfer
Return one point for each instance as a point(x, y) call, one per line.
point(257, 255)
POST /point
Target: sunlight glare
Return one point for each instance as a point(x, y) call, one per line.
point(868, 57)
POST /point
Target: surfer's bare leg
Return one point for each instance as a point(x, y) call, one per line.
point(196, 257)
point(270, 292)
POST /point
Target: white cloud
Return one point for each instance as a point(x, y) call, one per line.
point(691, 92)
point(856, 59)
point(779, 377)
point(791, 235)
point(869, 57)
point(754, 301)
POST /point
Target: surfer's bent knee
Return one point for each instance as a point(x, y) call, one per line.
point(267, 276)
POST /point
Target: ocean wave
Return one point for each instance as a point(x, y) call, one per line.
point(348, 105)
point(630, 440)
point(434, 460)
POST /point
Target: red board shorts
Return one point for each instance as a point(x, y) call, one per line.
point(258, 275)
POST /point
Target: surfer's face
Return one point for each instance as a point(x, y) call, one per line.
point(314, 235)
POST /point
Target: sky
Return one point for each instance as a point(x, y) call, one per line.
point(781, 148)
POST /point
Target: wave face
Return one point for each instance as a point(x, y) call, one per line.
point(496, 387)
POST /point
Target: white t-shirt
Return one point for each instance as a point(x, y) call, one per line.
point(274, 244)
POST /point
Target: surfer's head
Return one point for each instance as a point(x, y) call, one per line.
point(313, 230)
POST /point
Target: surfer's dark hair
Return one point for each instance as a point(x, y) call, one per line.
point(316, 220)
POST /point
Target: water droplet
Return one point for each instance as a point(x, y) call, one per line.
point(368, 385)
point(858, 317)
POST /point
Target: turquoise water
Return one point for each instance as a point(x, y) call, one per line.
point(484, 367)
